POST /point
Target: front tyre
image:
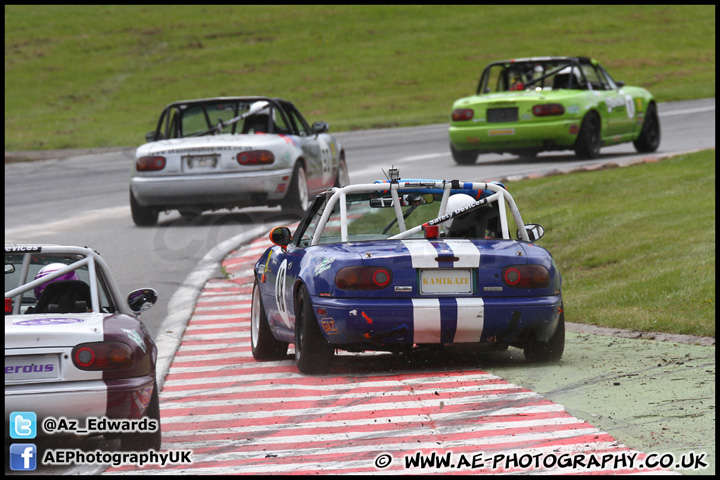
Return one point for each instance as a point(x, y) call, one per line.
point(589, 140)
point(313, 353)
point(649, 138)
point(142, 216)
point(297, 198)
point(263, 343)
point(550, 351)
point(463, 158)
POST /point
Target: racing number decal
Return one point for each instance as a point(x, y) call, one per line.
point(280, 293)
point(326, 158)
point(630, 105)
point(620, 101)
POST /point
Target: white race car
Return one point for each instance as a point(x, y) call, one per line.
point(232, 152)
point(74, 347)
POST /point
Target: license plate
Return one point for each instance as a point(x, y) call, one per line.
point(446, 281)
point(200, 163)
point(31, 367)
point(500, 115)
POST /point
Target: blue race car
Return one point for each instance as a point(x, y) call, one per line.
point(399, 264)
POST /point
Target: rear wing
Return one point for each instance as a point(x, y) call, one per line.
point(490, 192)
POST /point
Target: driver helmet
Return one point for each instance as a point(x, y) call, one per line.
point(459, 200)
point(48, 269)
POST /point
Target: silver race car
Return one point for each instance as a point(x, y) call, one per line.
point(232, 152)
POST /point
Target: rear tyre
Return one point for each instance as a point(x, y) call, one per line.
point(143, 441)
point(142, 216)
point(297, 198)
point(649, 138)
point(463, 158)
point(313, 354)
point(589, 141)
point(263, 343)
point(550, 351)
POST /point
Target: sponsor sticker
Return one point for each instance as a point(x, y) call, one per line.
point(33, 322)
point(501, 132)
point(31, 367)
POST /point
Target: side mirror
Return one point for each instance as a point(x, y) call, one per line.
point(9, 268)
point(320, 127)
point(142, 299)
point(620, 84)
point(535, 231)
point(280, 236)
point(150, 136)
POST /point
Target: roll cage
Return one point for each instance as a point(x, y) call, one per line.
point(81, 258)
point(170, 123)
point(580, 73)
point(325, 203)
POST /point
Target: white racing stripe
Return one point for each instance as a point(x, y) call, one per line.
point(470, 319)
point(466, 251)
point(426, 320)
point(422, 253)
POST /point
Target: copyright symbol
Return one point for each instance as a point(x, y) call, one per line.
point(383, 461)
point(49, 425)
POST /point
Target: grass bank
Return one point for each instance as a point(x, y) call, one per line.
point(96, 76)
point(635, 245)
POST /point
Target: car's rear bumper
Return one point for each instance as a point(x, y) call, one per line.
point(437, 321)
point(548, 135)
point(211, 189)
point(118, 398)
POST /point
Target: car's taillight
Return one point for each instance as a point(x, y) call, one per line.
point(363, 278)
point(462, 114)
point(256, 157)
point(150, 164)
point(8, 305)
point(103, 356)
point(526, 276)
point(548, 110)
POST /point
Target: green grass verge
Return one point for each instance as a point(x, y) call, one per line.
point(81, 76)
point(635, 245)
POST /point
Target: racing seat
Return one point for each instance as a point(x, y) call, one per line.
point(64, 296)
point(257, 123)
point(562, 80)
point(476, 224)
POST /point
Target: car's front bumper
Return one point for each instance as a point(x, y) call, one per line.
point(437, 321)
point(118, 398)
point(547, 135)
point(211, 189)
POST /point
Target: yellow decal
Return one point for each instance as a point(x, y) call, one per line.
point(328, 325)
point(505, 131)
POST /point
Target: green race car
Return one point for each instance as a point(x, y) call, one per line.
point(530, 105)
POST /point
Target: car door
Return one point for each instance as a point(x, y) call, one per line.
point(277, 290)
point(620, 106)
point(316, 151)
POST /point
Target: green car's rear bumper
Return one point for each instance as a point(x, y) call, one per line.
point(505, 137)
